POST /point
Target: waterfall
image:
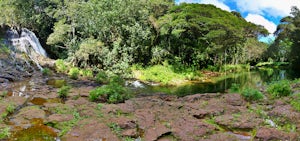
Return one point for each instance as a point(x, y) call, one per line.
point(28, 43)
point(27, 38)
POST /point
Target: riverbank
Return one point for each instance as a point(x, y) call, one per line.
point(34, 111)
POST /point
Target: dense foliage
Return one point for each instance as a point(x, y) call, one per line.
point(287, 46)
point(112, 35)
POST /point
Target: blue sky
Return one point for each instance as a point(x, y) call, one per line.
point(262, 12)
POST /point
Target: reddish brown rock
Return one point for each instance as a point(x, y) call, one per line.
point(234, 99)
point(90, 130)
point(285, 111)
point(155, 132)
point(55, 118)
point(267, 134)
point(239, 121)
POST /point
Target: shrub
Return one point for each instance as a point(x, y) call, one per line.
point(296, 102)
point(234, 88)
point(114, 92)
point(63, 92)
point(86, 73)
point(46, 71)
point(4, 132)
point(251, 94)
point(60, 66)
point(279, 89)
point(74, 73)
point(101, 77)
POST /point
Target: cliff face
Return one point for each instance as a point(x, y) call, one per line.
point(20, 55)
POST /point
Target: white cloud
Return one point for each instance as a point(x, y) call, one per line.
point(217, 3)
point(260, 20)
point(275, 8)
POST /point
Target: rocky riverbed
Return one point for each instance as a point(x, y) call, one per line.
point(31, 110)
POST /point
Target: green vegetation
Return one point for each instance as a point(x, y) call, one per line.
point(101, 77)
point(234, 88)
point(115, 128)
point(74, 73)
point(114, 92)
point(86, 73)
point(295, 102)
point(251, 94)
point(10, 108)
point(280, 89)
point(61, 66)
point(164, 74)
point(46, 71)
point(4, 49)
point(189, 36)
point(67, 125)
point(4, 132)
point(63, 92)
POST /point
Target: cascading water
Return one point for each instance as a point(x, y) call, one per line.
point(27, 43)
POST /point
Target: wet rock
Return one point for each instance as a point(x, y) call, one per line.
point(90, 130)
point(3, 80)
point(274, 134)
point(8, 77)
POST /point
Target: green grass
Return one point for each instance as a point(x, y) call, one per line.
point(74, 73)
point(295, 102)
point(86, 73)
point(46, 71)
point(63, 92)
point(4, 132)
point(164, 74)
point(280, 89)
point(251, 94)
point(114, 92)
point(61, 66)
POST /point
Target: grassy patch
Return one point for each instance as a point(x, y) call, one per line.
point(4, 132)
point(46, 71)
point(74, 73)
point(63, 92)
point(251, 94)
point(164, 74)
point(61, 66)
point(114, 92)
point(280, 89)
point(295, 102)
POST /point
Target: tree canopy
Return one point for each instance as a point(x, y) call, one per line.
point(114, 34)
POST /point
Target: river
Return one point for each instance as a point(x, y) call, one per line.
point(254, 79)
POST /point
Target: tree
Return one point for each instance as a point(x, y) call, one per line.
point(200, 35)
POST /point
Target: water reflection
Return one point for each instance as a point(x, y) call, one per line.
point(253, 79)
